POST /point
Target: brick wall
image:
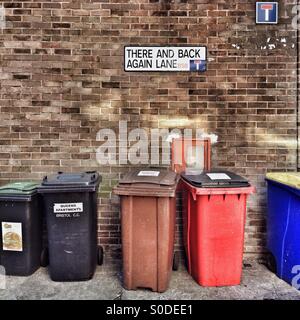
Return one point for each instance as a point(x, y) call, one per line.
point(62, 80)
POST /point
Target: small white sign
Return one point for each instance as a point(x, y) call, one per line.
point(148, 173)
point(68, 207)
point(157, 58)
point(12, 239)
point(218, 176)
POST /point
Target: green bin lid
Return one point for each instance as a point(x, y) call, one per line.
point(24, 187)
point(291, 179)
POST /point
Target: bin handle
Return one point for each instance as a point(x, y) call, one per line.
point(194, 194)
point(93, 173)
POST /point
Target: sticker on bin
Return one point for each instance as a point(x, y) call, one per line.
point(148, 173)
point(218, 176)
point(12, 236)
point(68, 207)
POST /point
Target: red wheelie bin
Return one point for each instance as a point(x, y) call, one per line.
point(214, 213)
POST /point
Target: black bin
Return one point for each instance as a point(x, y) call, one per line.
point(20, 228)
point(70, 205)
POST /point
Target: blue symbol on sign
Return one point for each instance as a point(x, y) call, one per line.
point(266, 12)
point(197, 65)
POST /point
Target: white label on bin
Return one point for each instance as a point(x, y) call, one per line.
point(12, 239)
point(148, 173)
point(68, 207)
point(218, 176)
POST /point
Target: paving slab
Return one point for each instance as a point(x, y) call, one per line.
point(258, 283)
point(103, 286)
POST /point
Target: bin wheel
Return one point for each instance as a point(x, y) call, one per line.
point(176, 259)
point(45, 257)
point(271, 262)
point(100, 255)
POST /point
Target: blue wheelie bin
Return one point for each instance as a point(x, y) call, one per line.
point(283, 225)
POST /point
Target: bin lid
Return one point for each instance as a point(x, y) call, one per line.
point(291, 179)
point(64, 182)
point(148, 182)
point(216, 179)
point(151, 176)
point(19, 188)
point(23, 188)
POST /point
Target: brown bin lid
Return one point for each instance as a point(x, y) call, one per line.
point(148, 182)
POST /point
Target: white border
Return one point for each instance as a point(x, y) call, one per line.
point(256, 12)
point(167, 47)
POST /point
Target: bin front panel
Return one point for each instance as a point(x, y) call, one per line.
point(139, 239)
point(22, 256)
point(283, 228)
point(221, 220)
point(72, 235)
point(147, 240)
point(166, 213)
point(291, 245)
point(214, 236)
point(190, 222)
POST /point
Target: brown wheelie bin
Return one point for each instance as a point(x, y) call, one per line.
point(148, 213)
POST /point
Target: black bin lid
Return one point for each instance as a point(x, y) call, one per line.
point(73, 181)
point(216, 179)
